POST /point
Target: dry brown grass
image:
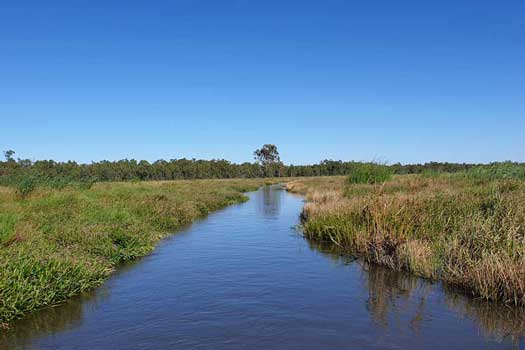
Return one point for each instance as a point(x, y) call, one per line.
point(470, 234)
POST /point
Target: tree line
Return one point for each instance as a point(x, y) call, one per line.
point(11, 169)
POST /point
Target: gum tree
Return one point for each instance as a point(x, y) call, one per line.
point(268, 157)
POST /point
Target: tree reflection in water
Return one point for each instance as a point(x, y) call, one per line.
point(394, 293)
point(269, 204)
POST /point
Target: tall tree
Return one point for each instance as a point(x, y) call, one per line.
point(268, 154)
point(9, 155)
point(268, 157)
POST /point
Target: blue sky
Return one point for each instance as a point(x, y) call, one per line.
point(407, 81)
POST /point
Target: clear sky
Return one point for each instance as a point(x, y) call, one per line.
point(407, 81)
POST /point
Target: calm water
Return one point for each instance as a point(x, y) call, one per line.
point(243, 278)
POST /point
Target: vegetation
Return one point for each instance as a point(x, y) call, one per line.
point(369, 173)
point(268, 157)
point(392, 290)
point(497, 171)
point(466, 229)
point(65, 226)
point(54, 174)
point(55, 243)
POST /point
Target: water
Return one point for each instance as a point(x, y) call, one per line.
point(244, 278)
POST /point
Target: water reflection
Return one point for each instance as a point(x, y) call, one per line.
point(58, 318)
point(269, 201)
point(494, 321)
point(242, 279)
point(391, 293)
point(53, 319)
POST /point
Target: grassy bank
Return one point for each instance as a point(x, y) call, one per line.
point(466, 229)
point(57, 243)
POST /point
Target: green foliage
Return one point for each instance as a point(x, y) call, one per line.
point(267, 154)
point(431, 167)
point(61, 241)
point(8, 222)
point(8, 155)
point(28, 281)
point(497, 171)
point(430, 173)
point(25, 185)
point(369, 173)
point(48, 173)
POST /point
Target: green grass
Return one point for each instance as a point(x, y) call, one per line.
point(369, 173)
point(8, 221)
point(497, 171)
point(55, 243)
point(467, 231)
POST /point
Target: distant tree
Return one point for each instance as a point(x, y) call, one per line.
point(9, 155)
point(268, 157)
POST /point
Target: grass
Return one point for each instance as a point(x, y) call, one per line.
point(369, 173)
point(497, 171)
point(465, 229)
point(55, 243)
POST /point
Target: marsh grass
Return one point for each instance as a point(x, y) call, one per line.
point(497, 171)
point(369, 173)
point(451, 227)
point(55, 243)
